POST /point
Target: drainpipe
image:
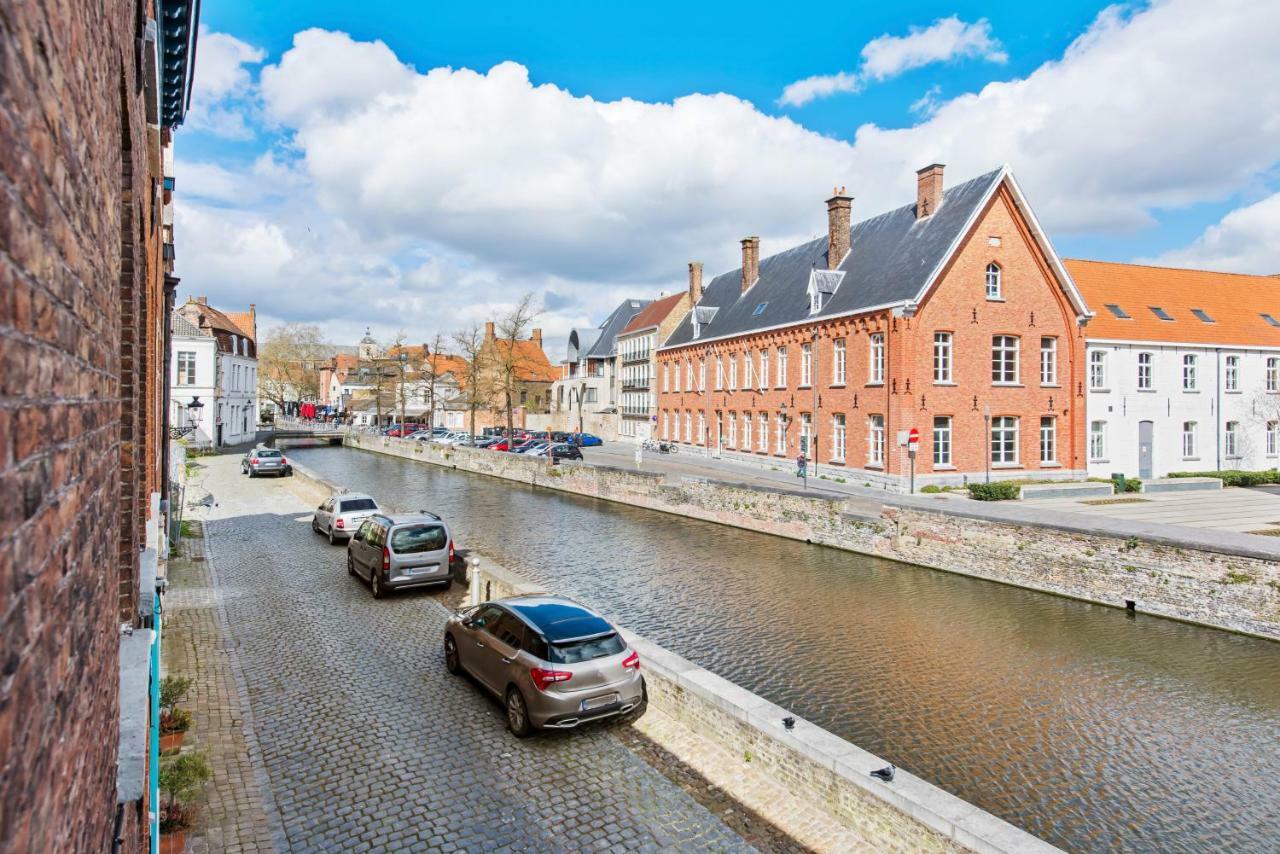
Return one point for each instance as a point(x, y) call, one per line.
point(1217, 415)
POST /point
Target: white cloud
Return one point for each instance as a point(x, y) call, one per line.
point(945, 40)
point(221, 85)
point(1247, 240)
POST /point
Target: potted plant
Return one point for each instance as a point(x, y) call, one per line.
point(180, 779)
point(174, 721)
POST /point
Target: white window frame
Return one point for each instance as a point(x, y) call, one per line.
point(875, 358)
point(1004, 355)
point(1190, 364)
point(746, 431)
point(806, 365)
point(762, 435)
point(1097, 370)
point(782, 435)
point(1273, 373)
point(1005, 440)
point(701, 437)
point(1048, 440)
point(190, 367)
point(733, 374)
point(782, 367)
point(838, 436)
point(719, 374)
point(994, 281)
point(941, 441)
point(1190, 440)
point(764, 369)
point(839, 362)
point(1231, 440)
point(1231, 374)
point(1048, 360)
point(942, 357)
point(1097, 441)
point(1146, 371)
point(733, 430)
point(1273, 438)
point(688, 427)
point(875, 440)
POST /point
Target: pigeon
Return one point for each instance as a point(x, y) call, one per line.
point(789, 722)
point(885, 773)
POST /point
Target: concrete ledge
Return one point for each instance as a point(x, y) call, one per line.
point(1180, 484)
point(1032, 491)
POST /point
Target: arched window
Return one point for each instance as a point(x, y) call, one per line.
point(993, 281)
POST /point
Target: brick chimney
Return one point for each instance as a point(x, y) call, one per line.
point(536, 336)
point(838, 208)
point(488, 332)
point(200, 300)
point(695, 281)
point(928, 189)
point(750, 261)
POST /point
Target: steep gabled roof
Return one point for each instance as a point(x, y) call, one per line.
point(183, 328)
point(894, 259)
point(247, 321)
point(195, 312)
point(652, 314)
point(1234, 304)
point(606, 344)
point(531, 362)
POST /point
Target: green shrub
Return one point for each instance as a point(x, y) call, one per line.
point(1235, 477)
point(172, 690)
point(931, 488)
point(1000, 490)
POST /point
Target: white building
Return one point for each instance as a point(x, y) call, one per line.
point(586, 394)
point(1183, 369)
point(213, 362)
point(637, 349)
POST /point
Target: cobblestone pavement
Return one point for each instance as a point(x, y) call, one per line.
point(369, 744)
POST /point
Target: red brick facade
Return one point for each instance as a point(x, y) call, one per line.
point(1033, 305)
point(81, 400)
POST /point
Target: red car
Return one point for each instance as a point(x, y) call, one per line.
point(501, 445)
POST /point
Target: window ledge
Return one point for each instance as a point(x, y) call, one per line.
point(1191, 391)
point(1232, 391)
point(945, 383)
point(804, 385)
point(1147, 391)
point(837, 385)
point(944, 467)
point(1045, 465)
point(1099, 460)
point(1191, 459)
point(876, 466)
point(875, 385)
point(1006, 465)
point(996, 299)
point(1050, 385)
point(1007, 385)
point(1100, 391)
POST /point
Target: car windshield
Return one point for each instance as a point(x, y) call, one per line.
point(416, 539)
point(574, 652)
point(358, 504)
point(267, 455)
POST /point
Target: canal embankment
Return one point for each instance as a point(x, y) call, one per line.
point(812, 784)
point(1211, 578)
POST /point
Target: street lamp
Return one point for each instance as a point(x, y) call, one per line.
point(986, 418)
point(194, 410)
point(582, 391)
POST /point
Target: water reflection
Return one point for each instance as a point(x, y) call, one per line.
point(1088, 727)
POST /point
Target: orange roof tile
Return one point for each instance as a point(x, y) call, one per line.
point(1234, 301)
point(246, 321)
point(652, 314)
point(532, 362)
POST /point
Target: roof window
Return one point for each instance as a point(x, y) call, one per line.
point(1269, 319)
point(761, 307)
point(1159, 312)
point(1118, 311)
point(1203, 315)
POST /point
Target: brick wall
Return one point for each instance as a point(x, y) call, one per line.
point(76, 242)
point(1100, 561)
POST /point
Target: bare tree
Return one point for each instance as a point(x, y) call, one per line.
point(511, 365)
point(288, 363)
point(476, 391)
point(431, 369)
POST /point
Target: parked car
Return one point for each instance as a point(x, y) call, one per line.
point(556, 664)
point(398, 551)
point(501, 445)
point(564, 451)
point(585, 440)
point(265, 461)
point(402, 430)
point(487, 441)
point(341, 515)
point(527, 446)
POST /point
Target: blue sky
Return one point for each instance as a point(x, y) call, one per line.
point(1100, 110)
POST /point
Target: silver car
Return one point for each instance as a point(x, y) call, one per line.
point(265, 461)
point(397, 551)
point(554, 663)
point(341, 514)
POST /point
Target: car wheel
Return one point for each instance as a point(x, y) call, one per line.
point(250, 474)
point(314, 527)
point(518, 714)
point(333, 541)
point(451, 660)
point(351, 565)
point(375, 586)
point(448, 582)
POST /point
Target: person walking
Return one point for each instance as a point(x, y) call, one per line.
point(802, 464)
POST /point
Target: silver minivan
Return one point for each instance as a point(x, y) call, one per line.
point(401, 550)
point(342, 514)
point(554, 663)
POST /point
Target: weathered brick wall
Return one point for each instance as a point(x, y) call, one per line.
point(1234, 590)
point(75, 181)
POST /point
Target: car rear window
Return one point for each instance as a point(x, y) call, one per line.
point(358, 504)
point(586, 650)
point(417, 539)
point(268, 454)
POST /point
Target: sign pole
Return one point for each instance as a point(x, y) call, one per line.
point(913, 443)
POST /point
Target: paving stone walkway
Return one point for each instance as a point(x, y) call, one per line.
point(366, 742)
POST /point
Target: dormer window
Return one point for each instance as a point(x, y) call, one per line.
point(994, 284)
point(815, 302)
point(822, 284)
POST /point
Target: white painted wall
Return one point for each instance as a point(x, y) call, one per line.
point(1120, 405)
point(227, 386)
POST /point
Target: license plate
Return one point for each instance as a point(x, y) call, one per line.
point(423, 570)
point(599, 702)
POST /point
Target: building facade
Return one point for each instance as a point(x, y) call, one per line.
point(90, 99)
point(638, 364)
point(1183, 369)
point(952, 317)
point(214, 362)
point(585, 394)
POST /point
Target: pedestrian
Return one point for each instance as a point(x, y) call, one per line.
point(639, 454)
point(801, 464)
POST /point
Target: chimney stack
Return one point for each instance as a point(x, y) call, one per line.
point(928, 189)
point(695, 281)
point(750, 262)
point(536, 335)
point(488, 332)
point(201, 300)
point(838, 208)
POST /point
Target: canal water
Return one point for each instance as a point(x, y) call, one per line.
point(1092, 728)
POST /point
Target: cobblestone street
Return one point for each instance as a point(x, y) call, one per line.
point(365, 740)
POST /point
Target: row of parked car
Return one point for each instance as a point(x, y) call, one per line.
point(552, 662)
point(554, 444)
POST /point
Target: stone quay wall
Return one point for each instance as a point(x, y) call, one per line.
point(1226, 581)
point(812, 764)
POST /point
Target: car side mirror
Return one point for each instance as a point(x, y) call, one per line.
point(359, 535)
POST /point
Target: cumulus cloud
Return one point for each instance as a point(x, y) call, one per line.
point(945, 40)
point(1243, 241)
point(222, 85)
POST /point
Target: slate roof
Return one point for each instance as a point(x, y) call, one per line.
point(183, 328)
point(891, 259)
point(579, 342)
point(606, 344)
point(1233, 302)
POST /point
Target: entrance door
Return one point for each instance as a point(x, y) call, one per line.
point(1145, 436)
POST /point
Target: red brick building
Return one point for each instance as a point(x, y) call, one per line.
point(952, 316)
point(89, 94)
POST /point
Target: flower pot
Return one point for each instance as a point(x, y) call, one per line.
point(174, 842)
point(171, 741)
